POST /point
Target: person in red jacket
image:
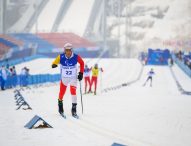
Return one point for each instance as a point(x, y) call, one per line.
point(87, 72)
point(68, 66)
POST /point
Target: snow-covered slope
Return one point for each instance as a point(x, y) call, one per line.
point(133, 115)
point(46, 18)
point(131, 69)
point(77, 17)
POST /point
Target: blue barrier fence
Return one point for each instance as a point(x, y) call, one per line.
point(181, 64)
point(23, 80)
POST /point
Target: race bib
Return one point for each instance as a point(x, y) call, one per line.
point(68, 71)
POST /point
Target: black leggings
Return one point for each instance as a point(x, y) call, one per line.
point(150, 78)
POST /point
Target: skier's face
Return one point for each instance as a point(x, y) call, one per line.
point(68, 53)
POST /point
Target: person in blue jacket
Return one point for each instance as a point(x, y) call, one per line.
point(3, 76)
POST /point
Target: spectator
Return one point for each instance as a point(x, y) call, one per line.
point(189, 63)
point(24, 76)
point(95, 72)
point(170, 62)
point(87, 72)
point(13, 76)
point(3, 74)
point(14, 71)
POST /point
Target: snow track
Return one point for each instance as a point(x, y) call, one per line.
point(133, 115)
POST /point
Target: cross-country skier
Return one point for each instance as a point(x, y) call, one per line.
point(87, 72)
point(150, 77)
point(95, 72)
point(68, 66)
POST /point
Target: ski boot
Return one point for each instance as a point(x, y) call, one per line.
point(74, 114)
point(60, 107)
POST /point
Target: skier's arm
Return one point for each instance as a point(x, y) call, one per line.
point(89, 69)
point(81, 62)
point(56, 62)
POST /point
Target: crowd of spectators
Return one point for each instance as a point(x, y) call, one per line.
point(186, 58)
point(10, 79)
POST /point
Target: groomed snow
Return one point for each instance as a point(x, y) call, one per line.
point(184, 80)
point(133, 115)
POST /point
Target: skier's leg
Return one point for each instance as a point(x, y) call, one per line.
point(85, 84)
point(3, 84)
point(88, 79)
point(60, 107)
point(145, 83)
point(74, 100)
point(151, 82)
point(73, 93)
point(61, 95)
point(95, 81)
point(62, 90)
point(91, 83)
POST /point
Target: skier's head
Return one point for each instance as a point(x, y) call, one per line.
point(96, 65)
point(68, 49)
point(151, 69)
point(86, 66)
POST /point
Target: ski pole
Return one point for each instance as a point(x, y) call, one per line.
point(81, 96)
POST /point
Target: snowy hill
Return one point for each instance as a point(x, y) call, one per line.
point(133, 115)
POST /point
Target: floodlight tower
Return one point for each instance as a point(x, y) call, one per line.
point(104, 24)
point(2, 16)
point(128, 28)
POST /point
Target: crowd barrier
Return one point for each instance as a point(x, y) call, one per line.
point(20, 101)
point(180, 88)
point(25, 80)
point(181, 64)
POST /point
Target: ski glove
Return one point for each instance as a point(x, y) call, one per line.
point(80, 76)
point(54, 65)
